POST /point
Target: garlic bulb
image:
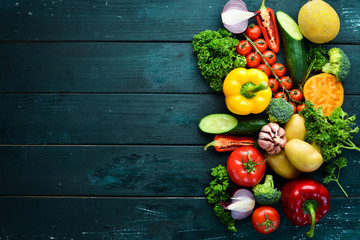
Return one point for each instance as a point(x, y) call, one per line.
point(272, 138)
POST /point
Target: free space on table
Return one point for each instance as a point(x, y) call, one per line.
point(99, 106)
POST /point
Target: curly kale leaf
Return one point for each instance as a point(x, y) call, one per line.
point(217, 193)
point(216, 56)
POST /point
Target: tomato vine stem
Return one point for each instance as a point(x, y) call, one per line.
point(287, 92)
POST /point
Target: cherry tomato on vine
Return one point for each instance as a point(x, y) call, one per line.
point(253, 60)
point(294, 107)
point(270, 57)
point(296, 94)
point(281, 95)
point(286, 82)
point(253, 31)
point(260, 45)
point(265, 69)
point(265, 219)
point(243, 48)
point(279, 69)
point(246, 166)
point(300, 107)
point(273, 84)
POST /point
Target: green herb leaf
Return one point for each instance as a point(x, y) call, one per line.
point(216, 193)
point(331, 175)
point(332, 133)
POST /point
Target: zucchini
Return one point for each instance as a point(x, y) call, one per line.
point(221, 123)
point(294, 46)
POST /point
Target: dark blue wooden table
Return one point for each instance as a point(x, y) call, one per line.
point(99, 106)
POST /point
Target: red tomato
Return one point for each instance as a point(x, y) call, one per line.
point(260, 45)
point(246, 166)
point(270, 57)
point(279, 69)
point(253, 60)
point(294, 107)
point(265, 69)
point(281, 95)
point(243, 48)
point(253, 31)
point(286, 82)
point(265, 219)
point(296, 94)
point(300, 107)
point(273, 84)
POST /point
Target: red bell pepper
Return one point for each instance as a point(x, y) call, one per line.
point(305, 201)
point(227, 143)
point(267, 23)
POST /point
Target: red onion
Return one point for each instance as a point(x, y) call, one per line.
point(235, 16)
point(242, 204)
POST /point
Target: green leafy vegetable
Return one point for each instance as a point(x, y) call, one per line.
point(331, 175)
point(217, 193)
point(216, 55)
point(332, 133)
point(316, 59)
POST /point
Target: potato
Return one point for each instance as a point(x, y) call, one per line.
point(295, 128)
point(281, 165)
point(303, 156)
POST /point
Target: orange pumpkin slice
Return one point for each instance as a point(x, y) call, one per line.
point(324, 90)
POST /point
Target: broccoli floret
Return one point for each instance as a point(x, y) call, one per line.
point(338, 65)
point(279, 110)
point(266, 193)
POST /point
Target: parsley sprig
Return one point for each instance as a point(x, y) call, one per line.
point(332, 133)
point(217, 193)
point(331, 175)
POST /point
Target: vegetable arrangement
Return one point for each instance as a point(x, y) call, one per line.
point(298, 121)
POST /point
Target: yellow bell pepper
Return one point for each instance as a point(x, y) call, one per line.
point(246, 91)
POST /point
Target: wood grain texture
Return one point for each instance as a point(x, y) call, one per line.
point(147, 218)
point(115, 68)
point(100, 67)
point(128, 171)
point(138, 20)
point(99, 106)
point(113, 119)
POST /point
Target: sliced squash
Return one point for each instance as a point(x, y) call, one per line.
point(324, 90)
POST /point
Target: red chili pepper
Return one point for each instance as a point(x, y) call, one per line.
point(227, 143)
point(305, 201)
point(267, 23)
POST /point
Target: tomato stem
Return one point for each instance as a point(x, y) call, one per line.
point(271, 69)
point(268, 223)
point(250, 165)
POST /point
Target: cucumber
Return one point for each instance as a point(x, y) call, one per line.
point(294, 46)
point(222, 123)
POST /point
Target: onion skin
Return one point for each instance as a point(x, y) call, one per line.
point(235, 16)
point(242, 204)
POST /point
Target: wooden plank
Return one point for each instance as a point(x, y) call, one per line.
point(134, 218)
point(127, 171)
point(138, 20)
point(115, 68)
point(113, 119)
point(100, 67)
